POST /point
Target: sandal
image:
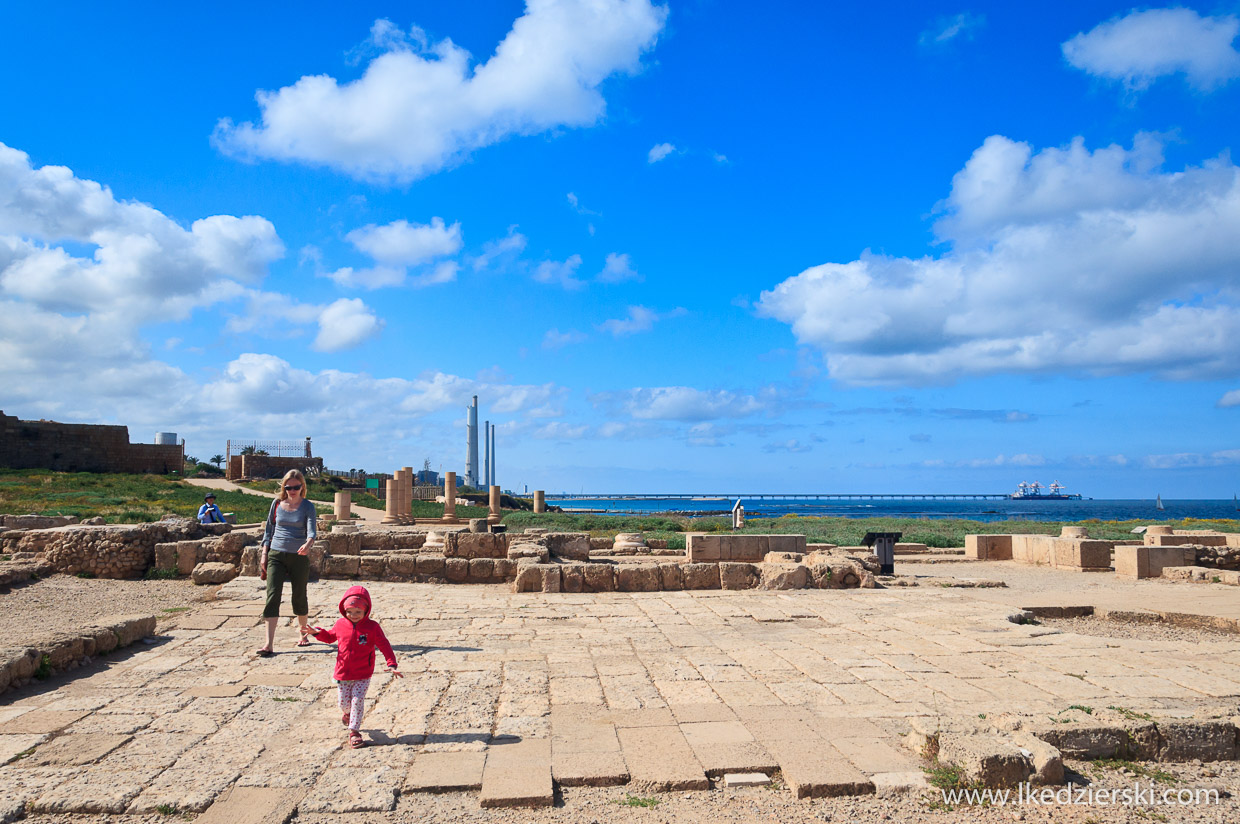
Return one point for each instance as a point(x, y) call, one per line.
point(304, 642)
point(344, 719)
point(263, 652)
point(355, 740)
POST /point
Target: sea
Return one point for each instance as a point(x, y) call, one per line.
point(975, 510)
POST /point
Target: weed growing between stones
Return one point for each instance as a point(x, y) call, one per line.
point(1134, 769)
point(44, 670)
point(1132, 715)
point(86, 575)
point(156, 574)
point(1081, 707)
point(637, 801)
point(176, 609)
point(21, 755)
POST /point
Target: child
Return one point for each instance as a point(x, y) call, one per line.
point(357, 637)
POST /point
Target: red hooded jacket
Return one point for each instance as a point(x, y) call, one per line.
point(356, 643)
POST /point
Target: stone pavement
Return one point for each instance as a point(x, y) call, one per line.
point(509, 695)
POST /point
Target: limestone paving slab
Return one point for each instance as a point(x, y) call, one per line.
point(441, 772)
point(76, 749)
point(518, 774)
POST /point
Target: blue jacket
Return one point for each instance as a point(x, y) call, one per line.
point(210, 514)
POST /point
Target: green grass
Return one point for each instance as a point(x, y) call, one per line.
point(44, 670)
point(1140, 770)
point(176, 609)
point(638, 801)
point(157, 574)
point(1132, 715)
point(118, 498)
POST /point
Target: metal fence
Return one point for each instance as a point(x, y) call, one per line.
point(276, 449)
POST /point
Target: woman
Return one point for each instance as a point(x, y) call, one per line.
point(287, 538)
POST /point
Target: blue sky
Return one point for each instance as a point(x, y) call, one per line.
point(694, 246)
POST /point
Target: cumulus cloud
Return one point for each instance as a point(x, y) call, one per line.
point(659, 151)
point(680, 403)
point(144, 265)
point(421, 106)
point(398, 248)
point(1229, 399)
point(617, 269)
point(640, 319)
point(496, 252)
point(401, 243)
point(1063, 260)
point(562, 273)
point(1142, 46)
point(346, 324)
point(947, 29)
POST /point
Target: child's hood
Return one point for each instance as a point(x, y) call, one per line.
point(359, 592)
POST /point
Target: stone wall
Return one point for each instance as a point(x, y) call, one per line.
point(270, 466)
point(707, 547)
point(1062, 553)
point(18, 665)
point(36, 521)
point(112, 551)
point(76, 447)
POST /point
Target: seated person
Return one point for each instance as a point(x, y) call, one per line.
point(209, 513)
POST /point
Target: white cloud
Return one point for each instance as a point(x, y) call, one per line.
point(640, 319)
point(791, 446)
point(681, 403)
point(144, 265)
point(419, 107)
point(1063, 260)
point(562, 273)
point(555, 339)
point(618, 268)
point(659, 152)
point(1229, 399)
point(947, 29)
point(398, 247)
point(1142, 46)
point(504, 250)
point(1194, 460)
point(575, 203)
point(401, 243)
point(345, 324)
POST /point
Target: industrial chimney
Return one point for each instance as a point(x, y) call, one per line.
point(471, 444)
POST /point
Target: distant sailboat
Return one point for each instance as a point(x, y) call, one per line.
point(1235, 503)
point(1158, 503)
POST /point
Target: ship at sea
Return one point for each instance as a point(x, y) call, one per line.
point(1036, 492)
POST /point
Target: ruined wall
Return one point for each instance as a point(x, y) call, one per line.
point(270, 466)
point(115, 551)
point(80, 447)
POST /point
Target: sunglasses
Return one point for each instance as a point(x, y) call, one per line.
point(293, 487)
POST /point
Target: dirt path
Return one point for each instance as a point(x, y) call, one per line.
point(364, 513)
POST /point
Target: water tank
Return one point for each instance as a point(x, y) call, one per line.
point(166, 438)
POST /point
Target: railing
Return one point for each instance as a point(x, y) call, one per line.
point(277, 449)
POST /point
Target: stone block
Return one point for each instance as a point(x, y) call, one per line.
point(737, 575)
point(573, 579)
point(1047, 760)
point(551, 577)
point(189, 555)
point(746, 548)
point(1132, 562)
point(1085, 742)
point(570, 546)
point(477, 545)
point(700, 547)
point(456, 569)
point(1196, 740)
point(518, 774)
point(528, 550)
point(430, 565)
point(599, 577)
point(700, 576)
point(372, 567)
point(784, 576)
point(402, 566)
point(1080, 553)
point(165, 556)
point(671, 577)
point(481, 569)
point(988, 547)
point(212, 573)
point(504, 568)
point(341, 566)
point(786, 543)
point(1160, 557)
point(528, 578)
point(986, 758)
point(638, 578)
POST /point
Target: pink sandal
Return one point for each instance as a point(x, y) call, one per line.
point(344, 719)
point(355, 740)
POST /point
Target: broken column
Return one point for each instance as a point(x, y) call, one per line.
point(494, 517)
point(406, 495)
point(540, 501)
point(344, 501)
point(391, 503)
point(449, 498)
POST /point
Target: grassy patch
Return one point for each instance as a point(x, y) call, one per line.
point(176, 609)
point(1132, 715)
point(1101, 765)
point(638, 801)
point(157, 574)
point(167, 809)
point(1081, 707)
point(44, 670)
point(21, 755)
point(85, 574)
point(287, 698)
point(117, 498)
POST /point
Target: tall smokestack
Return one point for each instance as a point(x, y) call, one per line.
point(491, 440)
point(471, 444)
point(486, 449)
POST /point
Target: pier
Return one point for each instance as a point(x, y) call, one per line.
point(860, 496)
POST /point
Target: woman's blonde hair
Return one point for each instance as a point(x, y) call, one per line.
point(292, 475)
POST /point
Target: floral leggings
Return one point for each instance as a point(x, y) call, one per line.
point(353, 700)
